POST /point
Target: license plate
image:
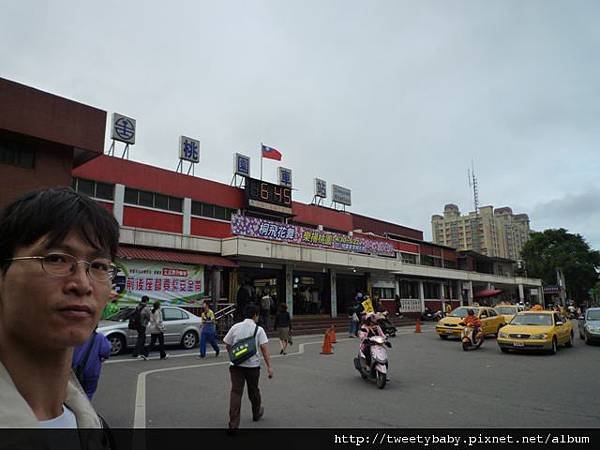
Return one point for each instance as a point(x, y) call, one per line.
point(518, 344)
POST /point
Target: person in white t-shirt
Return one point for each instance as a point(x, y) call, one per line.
point(247, 372)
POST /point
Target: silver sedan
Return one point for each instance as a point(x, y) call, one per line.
point(181, 328)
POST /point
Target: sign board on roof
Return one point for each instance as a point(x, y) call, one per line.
point(284, 176)
point(241, 165)
point(341, 195)
point(189, 149)
point(320, 188)
point(123, 128)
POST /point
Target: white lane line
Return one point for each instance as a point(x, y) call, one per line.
point(139, 418)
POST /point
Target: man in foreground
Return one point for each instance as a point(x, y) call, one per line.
point(56, 252)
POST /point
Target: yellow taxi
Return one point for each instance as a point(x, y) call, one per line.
point(536, 330)
point(508, 311)
point(491, 321)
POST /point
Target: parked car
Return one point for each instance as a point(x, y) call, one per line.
point(181, 327)
point(491, 321)
point(589, 325)
point(508, 311)
point(536, 330)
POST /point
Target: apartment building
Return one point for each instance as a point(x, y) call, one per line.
point(492, 232)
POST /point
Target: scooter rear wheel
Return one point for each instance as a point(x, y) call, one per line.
point(465, 346)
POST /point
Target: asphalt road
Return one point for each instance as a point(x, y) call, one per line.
point(434, 383)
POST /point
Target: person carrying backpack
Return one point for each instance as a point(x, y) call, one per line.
point(138, 321)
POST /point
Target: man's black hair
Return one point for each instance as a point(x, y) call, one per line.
point(145, 299)
point(55, 213)
point(250, 311)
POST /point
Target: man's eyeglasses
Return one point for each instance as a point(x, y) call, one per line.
point(62, 265)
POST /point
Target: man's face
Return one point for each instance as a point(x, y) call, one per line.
point(45, 311)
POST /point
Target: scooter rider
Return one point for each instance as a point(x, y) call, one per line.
point(369, 328)
point(472, 321)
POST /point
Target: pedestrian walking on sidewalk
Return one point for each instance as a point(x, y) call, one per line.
point(283, 325)
point(157, 331)
point(209, 332)
point(247, 372)
point(138, 321)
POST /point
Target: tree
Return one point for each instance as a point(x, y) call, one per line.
point(551, 249)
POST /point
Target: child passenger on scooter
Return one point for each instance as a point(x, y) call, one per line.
point(368, 329)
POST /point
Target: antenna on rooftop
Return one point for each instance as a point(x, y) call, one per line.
point(473, 184)
point(475, 229)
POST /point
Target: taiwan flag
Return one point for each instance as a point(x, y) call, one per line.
point(271, 153)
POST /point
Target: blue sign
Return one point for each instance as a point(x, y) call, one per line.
point(285, 177)
point(242, 165)
point(123, 129)
point(189, 149)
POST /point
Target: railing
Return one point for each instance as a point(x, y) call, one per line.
point(224, 319)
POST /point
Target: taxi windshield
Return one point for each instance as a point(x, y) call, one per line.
point(532, 319)
point(506, 309)
point(461, 312)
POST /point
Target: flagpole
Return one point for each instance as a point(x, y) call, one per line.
point(261, 160)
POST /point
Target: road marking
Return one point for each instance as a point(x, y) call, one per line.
point(139, 418)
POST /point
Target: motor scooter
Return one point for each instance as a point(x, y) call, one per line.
point(386, 325)
point(430, 315)
point(468, 340)
point(378, 368)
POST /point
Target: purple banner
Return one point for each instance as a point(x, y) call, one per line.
point(294, 234)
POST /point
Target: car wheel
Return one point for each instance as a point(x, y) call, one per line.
point(503, 350)
point(443, 337)
point(117, 344)
point(587, 340)
point(554, 348)
point(189, 340)
point(498, 331)
point(569, 343)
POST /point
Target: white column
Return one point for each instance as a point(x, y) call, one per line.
point(289, 289)
point(422, 296)
point(470, 294)
point(397, 286)
point(521, 293)
point(187, 216)
point(333, 290)
point(119, 202)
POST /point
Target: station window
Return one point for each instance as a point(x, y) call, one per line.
point(383, 293)
point(94, 189)
point(153, 200)
point(211, 211)
point(16, 153)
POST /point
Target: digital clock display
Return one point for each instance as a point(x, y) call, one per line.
point(273, 197)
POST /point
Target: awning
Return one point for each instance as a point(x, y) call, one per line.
point(487, 293)
point(154, 254)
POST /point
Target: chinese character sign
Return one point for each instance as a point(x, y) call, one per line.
point(171, 284)
point(241, 165)
point(320, 188)
point(264, 229)
point(189, 149)
point(285, 176)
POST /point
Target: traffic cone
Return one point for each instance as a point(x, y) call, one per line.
point(327, 349)
point(418, 327)
point(332, 335)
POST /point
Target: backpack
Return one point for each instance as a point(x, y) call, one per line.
point(135, 319)
point(243, 349)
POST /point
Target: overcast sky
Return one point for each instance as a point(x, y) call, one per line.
point(392, 99)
